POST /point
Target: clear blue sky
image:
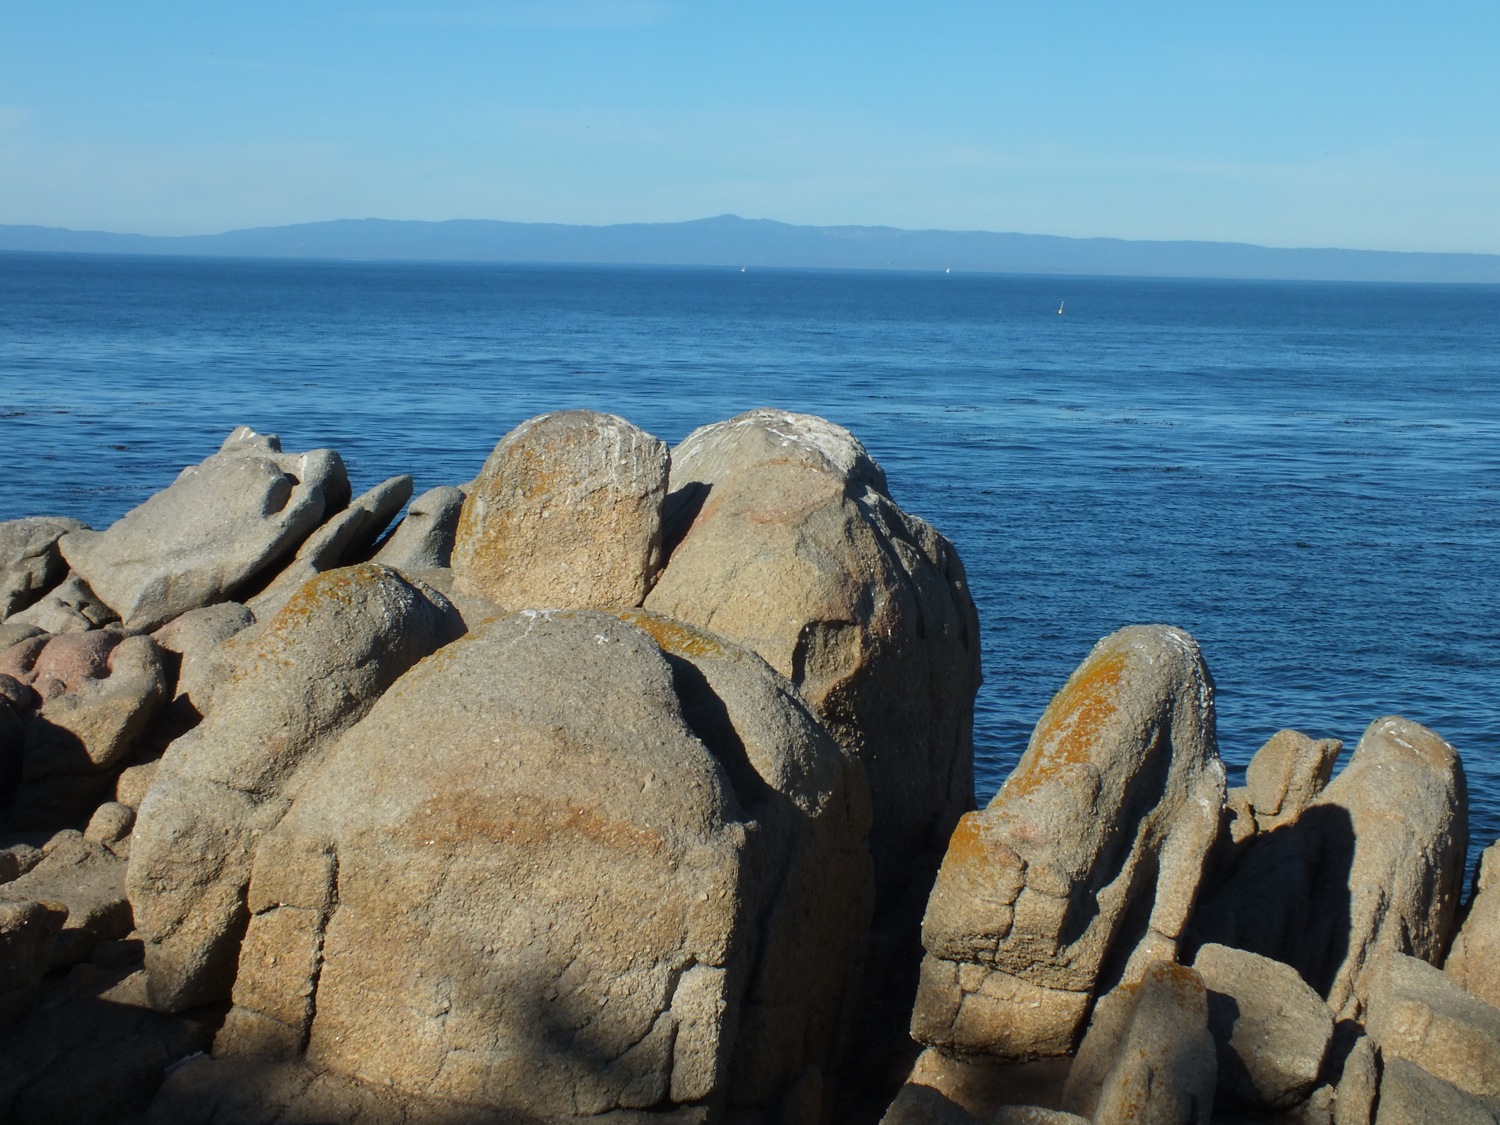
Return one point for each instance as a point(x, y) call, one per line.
point(1370, 125)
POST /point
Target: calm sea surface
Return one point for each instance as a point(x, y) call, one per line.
point(1305, 476)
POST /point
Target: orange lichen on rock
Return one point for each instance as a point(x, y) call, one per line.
point(974, 849)
point(1070, 729)
point(671, 635)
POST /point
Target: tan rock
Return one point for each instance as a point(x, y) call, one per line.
point(1474, 960)
point(565, 514)
point(1036, 888)
point(1148, 1054)
point(314, 670)
point(1419, 1014)
point(1271, 1030)
point(1374, 864)
point(71, 607)
point(1287, 774)
point(88, 881)
point(567, 866)
point(1410, 1095)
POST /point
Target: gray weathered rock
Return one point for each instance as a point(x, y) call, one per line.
point(315, 669)
point(1375, 863)
point(423, 540)
point(14, 632)
point(1035, 1115)
point(197, 634)
point(566, 513)
point(786, 540)
point(1474, 960)
point(218, 525)
point(569, 865)
point(71, 607)
point(1418, 1013)
point(30, 563)
point(1411, 1096)
point(1270, 1029)
point(1030, 908)
point(342, 541)
point(1148, 1054)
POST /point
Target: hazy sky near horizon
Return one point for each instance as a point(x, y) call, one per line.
point(1373, 125)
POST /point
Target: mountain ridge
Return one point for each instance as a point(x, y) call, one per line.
point(728, 240)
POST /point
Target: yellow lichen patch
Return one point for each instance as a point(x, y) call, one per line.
point(1071, 726)
point(974, 849)
point(671, 635)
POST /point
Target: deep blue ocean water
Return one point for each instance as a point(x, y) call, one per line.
point(1305, 476)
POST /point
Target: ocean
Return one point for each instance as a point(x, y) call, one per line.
point(1306, 476)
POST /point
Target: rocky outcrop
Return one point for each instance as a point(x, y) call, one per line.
point(1148, 1054)
point(1418, 1014)
point(92, 697)
point(785, 539)
point(466, 922)
point(30, 563)
point(423, 540)
point(1474, 960)
point(1271, 1030)
point(220, 524)
point(1374, 864)
point(565, 514)
point(316, 668)
point(1085, 866)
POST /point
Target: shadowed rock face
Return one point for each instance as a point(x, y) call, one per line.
point(30, 563)
point(784, 539)
point(565, 514)
point(1148, 1055)
point(315, 668)
point(566, 865)
point(218, 525)
point(1085, 866)
point(1374, 864)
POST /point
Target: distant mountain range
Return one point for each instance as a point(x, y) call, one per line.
point(732, 241)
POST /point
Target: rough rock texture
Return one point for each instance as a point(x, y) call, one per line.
point(87, 880)
point(1410, 1095)
point(14, 632)
point(1270, 1029)
point(566, 513)
point(28, 935)
point(315, 669)
point(1375, 863)
point(1148, 1054)
point(92, 1051)
point(784, 539)
point(196, 636)
point(218, 525)
point(345, 539)
point(1474, 960)
point(1035, 1115)
point(30, 563)
point(96, 694)
point(1358, 1084)
point(1085, 866)
point(71, 607)
point(1419, 1014)
point(1287, 774)
point(922, 1105)
point(566, 866)
point(424, 538)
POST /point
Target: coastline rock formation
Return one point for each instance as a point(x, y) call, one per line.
point(1085, 867)
point(612, 788)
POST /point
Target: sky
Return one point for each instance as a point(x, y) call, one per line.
point(1371, 126)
